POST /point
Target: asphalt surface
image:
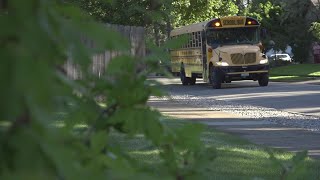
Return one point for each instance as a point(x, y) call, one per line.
point(301, 98)
point(257, 131)
point(291, 97)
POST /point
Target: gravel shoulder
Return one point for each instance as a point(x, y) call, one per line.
point(311, 123)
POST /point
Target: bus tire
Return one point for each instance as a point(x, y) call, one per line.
point(184, 80)
point(263, 79)
point(210, 74)
point(193, 80)
point(216, 78)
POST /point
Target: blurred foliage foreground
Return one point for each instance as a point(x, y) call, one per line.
point(36, 38)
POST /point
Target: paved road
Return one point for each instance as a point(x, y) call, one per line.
point(291, 97)
point(258, 131)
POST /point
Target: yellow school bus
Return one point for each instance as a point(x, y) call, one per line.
point(220, 50)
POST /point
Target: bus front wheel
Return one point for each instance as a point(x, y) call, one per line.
point(184, 80)
point(215, 78)
point(193, 80)
point(263, 79)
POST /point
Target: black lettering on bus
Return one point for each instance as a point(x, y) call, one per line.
point(240, 21)
point(229, 22)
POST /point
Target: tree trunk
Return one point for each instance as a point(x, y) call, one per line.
point(169, 27)
point(156, 34)
point(240, 5)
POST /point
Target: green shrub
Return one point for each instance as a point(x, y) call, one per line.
point(36, 39)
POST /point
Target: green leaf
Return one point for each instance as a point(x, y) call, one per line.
point(98, 141)
point(188, 136)
point(139, 121)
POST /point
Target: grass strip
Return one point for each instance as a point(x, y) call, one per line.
point(300, 70)
point(295, 73)
point(237, 158)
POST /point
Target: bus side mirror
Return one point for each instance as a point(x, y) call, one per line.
point(263, 33)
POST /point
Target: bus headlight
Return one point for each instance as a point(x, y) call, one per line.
point(264, 61)
point(222, 63)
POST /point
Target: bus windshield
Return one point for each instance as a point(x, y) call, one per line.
point(229, 36)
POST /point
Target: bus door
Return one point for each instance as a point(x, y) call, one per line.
point(204, 55)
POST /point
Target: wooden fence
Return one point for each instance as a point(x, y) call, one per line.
point(136, 37)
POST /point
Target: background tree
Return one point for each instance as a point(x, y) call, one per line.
point(296, 19)
point(159, 17)
point(287, 23)
point(193, 11)
point(151, 14)
point(315, 29)
point(269, 14)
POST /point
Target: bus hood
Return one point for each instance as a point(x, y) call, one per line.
point(238, 55)
point(232, 49)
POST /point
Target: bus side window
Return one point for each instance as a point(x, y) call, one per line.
point(196, 41)
point(183, 45)
point(190, 40)
point(203, 42)
point(187, 43)
point(199, 39)
point(193, 39)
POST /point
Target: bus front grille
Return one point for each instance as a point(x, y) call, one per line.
point(237, 58)
point(248, 58)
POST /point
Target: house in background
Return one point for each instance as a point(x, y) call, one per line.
point(316, 52)
point(314, 16)
point(313, 13)
point(288, 51)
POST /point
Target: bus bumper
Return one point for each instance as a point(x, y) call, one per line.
point(231, 73)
